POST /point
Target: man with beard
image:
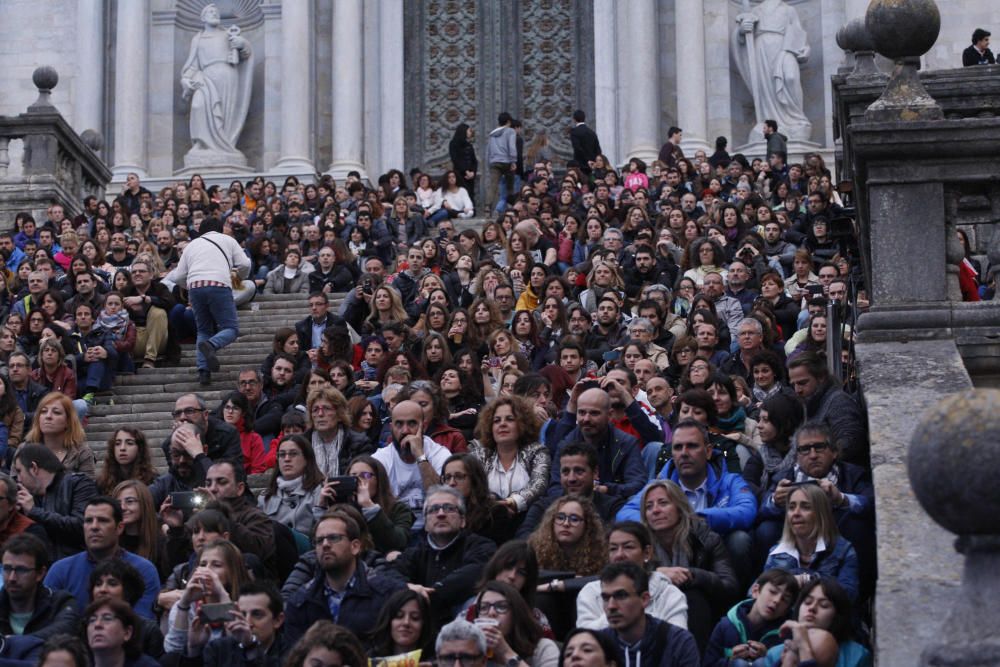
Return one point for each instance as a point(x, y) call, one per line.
point(191, 451)
point(412, 460)
point(587, 419)
point(52, 497)
point(226, 484)
point(646, 271)
point(86, 293)
point(607, 333)
point(166, 250)
point(27, 392)
point(119, 257)
point(266, 412)
point(345, 590)
point(578, 472)
point(445, 566)
point(11, 254)
point(827, 403)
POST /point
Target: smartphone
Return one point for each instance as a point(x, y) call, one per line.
point(346, 486)
point(814, 290)
point(366, 286)
point(216, 613)
point(186, 500)
point(612, 355)
point(494, 362)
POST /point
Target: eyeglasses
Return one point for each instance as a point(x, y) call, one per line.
point(320, 409)
point(365, 475)
point(571, 519)
point(464, 659)
point(186, 412)
point(454, 477)
point(230, 408)
point(617, 596)
point(289, 454)
point(249, 383)
point(814, 447)
point(500, 607)
point(17, 570)
point(332, 538)
point(447, 508)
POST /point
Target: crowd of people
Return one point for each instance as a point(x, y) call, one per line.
point(599, 429)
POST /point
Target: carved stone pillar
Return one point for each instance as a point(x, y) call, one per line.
point(296, 111)
point(131, 84)
point(348, 90)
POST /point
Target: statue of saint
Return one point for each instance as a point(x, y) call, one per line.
point(217, 78)
point(768, 45)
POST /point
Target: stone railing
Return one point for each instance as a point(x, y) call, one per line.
point(58, 165)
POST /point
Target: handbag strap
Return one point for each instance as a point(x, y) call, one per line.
point(228, 263)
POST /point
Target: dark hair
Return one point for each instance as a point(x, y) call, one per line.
point(333, 637)
point(132, 583)
point(211, 519)
point(785, 413)
point(274, 602)
point(72, 645)
point(673, 130)
point(311, 478)
point(699, 398)
point(629, 569)
point(241, 402)
point(979, 34)
point(841, 626)
point(814, 363)
point(579, 116)
point(504, 118)
point(116, 508)
point(40, 455)
point(525, 631)
point(580, 448)
point(778, 577)
point(479, 504)
point(123, 612)
point(612, 651)
point(634, 528)
point(773, 124)
point(507, 556)
point(381, 635)
point(26, 544)
point(769, 357)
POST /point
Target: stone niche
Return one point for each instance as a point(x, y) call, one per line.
point(173, 27)
point(812, 73)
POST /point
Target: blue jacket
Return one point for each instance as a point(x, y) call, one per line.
point(619, 461)
point(852, 654)
point(359, 607)
point(73, 574)
point(733, 629)
point(839, 562)
point(732, 504)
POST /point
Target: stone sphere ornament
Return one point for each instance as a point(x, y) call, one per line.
point(953, 459)
point(45, 79)
point(903, 28)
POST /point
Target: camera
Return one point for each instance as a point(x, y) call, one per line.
point(346, 486)
point(187, 500)
point(215, 614)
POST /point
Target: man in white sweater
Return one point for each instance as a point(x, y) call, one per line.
point(206, 267)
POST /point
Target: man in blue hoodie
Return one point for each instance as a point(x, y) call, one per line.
point(644, 640)
point(501, 156)
point(723, 499)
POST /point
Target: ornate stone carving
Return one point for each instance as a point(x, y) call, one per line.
point(217, 79)
point(451, 54)
point(246, 14)
point(768, 46)
point(550, 32)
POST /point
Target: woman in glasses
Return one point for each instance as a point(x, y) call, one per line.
point(293, 497)
point(689, 554)
point(483, 514)
point(513, 636)
point(569, 539)
point(389, 520)
point(142, 535)
point(237, 413)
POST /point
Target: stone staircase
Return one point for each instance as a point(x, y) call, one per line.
point(145, 400)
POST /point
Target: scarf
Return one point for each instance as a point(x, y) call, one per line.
point(678, 557)
point(803, 476)
point(736, 421)
point(774, 461)
point(328, 453)
point(117, 324)
point(289, 490)
point(760, 395)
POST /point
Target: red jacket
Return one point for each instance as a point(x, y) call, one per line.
point(254, 456)
point(448, 437)
point(63, 380)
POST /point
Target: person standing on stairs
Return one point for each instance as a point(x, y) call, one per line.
point(210, 285)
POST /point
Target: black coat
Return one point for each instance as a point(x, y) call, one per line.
point(971, 57)
point(60, 511)
point(55, 613)
point(358, 609)
point(586, 145)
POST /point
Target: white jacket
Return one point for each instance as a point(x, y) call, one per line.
point(666, 603)
point(201, 260)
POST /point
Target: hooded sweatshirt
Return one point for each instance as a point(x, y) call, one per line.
point(502, 146)
point(662, 645)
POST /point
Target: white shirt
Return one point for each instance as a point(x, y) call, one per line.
point(404, 478)
point(505, 482)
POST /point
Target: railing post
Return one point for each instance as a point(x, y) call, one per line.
point(4, 156)
point(834, 339)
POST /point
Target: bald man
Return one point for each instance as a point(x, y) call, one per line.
point(587, 418)
point(412, 460)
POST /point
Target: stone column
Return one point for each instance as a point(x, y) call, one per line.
point(131, 85)
point(606, 79)
point(296, 110)
point(348, 91)
point(89, 84)
point(642, 83)
point(692, 106)
point(391, 67)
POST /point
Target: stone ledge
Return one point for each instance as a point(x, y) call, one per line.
point(919, 569)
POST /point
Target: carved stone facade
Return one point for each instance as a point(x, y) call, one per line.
point(468, 61)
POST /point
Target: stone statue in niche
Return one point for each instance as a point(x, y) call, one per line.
point(217, 79)
point(768, 46)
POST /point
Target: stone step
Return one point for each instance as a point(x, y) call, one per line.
point(142, 402)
